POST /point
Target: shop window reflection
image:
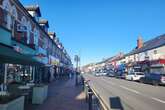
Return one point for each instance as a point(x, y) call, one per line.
point(19, 73)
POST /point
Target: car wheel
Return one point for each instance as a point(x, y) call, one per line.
point(141, 81)
point(155, 83)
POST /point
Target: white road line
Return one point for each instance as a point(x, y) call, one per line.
point(137, 92)
point(131, 90)
point(159, 100)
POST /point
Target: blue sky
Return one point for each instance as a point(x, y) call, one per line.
point(98, 29)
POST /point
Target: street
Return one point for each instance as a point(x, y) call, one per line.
point(127, 95)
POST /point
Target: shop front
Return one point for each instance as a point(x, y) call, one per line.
point(54, 70)
point(158, 66)
point(18, 65)
point(153, 66)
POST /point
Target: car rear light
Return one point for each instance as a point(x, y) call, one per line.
point(163, 78)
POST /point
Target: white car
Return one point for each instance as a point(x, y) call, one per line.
point(103, 74)
point(134, 76)
point(97, 74)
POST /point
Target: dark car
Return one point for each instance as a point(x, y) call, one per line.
point(153, 78)
point(111, 73)
point(120, 75)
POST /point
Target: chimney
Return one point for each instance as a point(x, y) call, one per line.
point(139, 42)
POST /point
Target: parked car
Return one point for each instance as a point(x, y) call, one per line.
point(120, 74)
point(153, 78)
point(97, 74)
point(111, 74)
point(103, 74)
point(134, 76)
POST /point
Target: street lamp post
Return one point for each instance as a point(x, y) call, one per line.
point(77, 60)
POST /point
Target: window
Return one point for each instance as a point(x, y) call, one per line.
point(14, 12)
point(36, 36)
point(155, 52)
point(7, 18)
point(146, 53)
point(45, 43)
point(6, 5)
point(23, 21)
point(29, 28)
point(14, 17)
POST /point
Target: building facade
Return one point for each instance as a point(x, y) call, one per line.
point(149, 56)
point(25, 40)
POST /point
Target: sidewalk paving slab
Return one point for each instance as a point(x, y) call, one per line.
point(63, 95)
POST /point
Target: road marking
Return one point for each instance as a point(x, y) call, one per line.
point(159, 100)
point(109, 82)
point(134, 91)
point(131, 90)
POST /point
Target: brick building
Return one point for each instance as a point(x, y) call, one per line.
point(25, 40)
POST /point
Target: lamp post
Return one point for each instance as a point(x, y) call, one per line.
point(77, 60)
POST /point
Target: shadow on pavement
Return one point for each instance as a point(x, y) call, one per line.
point(115, 103)
point(63, 95)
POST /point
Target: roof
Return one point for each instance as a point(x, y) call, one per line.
point(52, 33)
point(34, 8)
point(148, 45)
point(44, 21)
point(116, 57)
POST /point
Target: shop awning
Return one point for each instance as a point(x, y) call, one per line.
point(9, 55)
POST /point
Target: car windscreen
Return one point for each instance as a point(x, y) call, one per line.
point(162, 74)
point(139, 74)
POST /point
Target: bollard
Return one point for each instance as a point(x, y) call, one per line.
point(90, 93)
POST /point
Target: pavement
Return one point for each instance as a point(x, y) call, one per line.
point(119, 94)
point(63, 95)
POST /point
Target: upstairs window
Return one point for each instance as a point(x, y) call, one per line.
point(6, 5)
point(23, 21)
point(14, 12)
point(14, 17)
point(7, 18)
point(36, 36)
point(146, 53)
point(22, 27)
point(155, 52)
point(29, 33)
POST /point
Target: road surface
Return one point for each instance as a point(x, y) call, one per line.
point(119, 94)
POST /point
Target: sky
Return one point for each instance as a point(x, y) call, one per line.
point(97, 29)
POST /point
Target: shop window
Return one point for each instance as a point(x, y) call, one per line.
point(2, 68)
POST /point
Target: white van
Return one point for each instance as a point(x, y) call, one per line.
point(134, 76)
